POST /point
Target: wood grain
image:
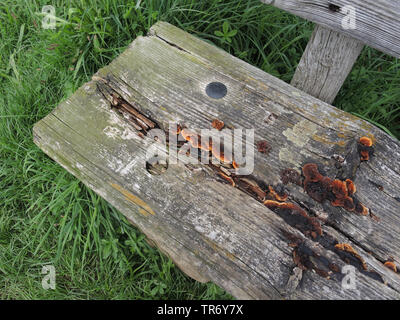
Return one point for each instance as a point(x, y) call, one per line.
point(326, 63)
point(377, 21)
point(210, 229)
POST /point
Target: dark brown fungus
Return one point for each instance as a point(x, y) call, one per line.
point(361, 209)
point(339, 189)
point(277, 195)
point(334, 267)
point(252, 187)
point(263, 147)
point(364, 155)
point(311, 172)
point(351, 188)
point(290, 176)
point(306, 259)
point(315, 184)
point(296, 217)
point(349, 255)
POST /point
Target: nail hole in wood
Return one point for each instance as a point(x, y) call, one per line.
point(216, 90)
point(156, 167)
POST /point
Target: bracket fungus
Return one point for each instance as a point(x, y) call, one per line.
point(306, 258)
point(227, 178)
point(391, 265)
point(278, 195)
point(290, 176)
point(208, 145)
point(263, 146)
point(217, 124)
point(296, 217)
point(339, 193)
point(252, 187)
point(365, 148)
point(349, 255)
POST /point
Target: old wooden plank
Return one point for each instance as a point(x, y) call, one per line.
point(211, 229)
point(377, 23)
point(326, 63)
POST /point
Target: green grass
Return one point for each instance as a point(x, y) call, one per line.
point(49, 217)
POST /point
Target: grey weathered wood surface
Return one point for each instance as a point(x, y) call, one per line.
point(377, 21)
point(326, 63)
point(211, 230)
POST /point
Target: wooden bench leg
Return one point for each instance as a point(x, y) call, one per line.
point(326, 62)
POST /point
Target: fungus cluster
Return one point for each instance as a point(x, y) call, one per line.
point(349, 255)
point(227, 178)
point(252, 187)
point(307, 259)
point(263, 147)
point(278, 194)
point(290, 176)
point(217, 124)
point(365, 148)
point(296, 217)
point(303, 258)
point(197, 142)
point(263, 192)
point(339, 193)
point(391, 265)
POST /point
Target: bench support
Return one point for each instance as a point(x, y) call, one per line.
point(326, 63)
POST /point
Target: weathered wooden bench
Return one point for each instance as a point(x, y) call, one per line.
point(343, 27)
point(284, 232)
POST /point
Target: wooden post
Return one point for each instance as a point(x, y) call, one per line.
point(376, 23)
point(326, 62)
point(333, 48)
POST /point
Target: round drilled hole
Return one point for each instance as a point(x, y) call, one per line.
point(156, 167)
point(216, 90)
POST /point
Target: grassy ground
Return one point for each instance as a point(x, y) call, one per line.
point(46, 215)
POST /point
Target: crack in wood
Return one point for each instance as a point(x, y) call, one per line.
point(171, 44)
point(129, 111)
